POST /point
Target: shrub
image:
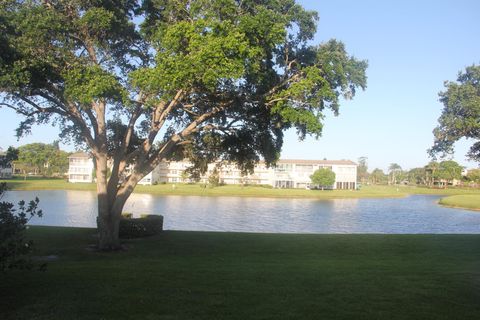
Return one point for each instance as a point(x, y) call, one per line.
point(147, 225)
point(214, 179)
point(14, 247)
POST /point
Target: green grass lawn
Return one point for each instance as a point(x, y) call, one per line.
point(195, 275)
point(462, 201)
point(245, 191)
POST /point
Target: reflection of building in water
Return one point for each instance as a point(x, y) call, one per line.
point(140, 204)
point(344, 205)
point(344, 216)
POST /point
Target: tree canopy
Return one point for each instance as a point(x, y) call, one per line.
point(394, 170)
point(7, 157)
point(378, 176)
point(460, 116)
point(323, 177)
point(362, 169)
point(144, 81)
point(43, 158)
point(449, 170)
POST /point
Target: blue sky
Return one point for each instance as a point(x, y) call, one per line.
point(412, 48)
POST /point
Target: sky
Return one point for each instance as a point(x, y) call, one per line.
point(412, 47)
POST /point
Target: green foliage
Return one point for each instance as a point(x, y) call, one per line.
point(7, 158)
point(323, 177)
point(42, 158)
point(91, 83)
point(140, 227)
point(449, 170)
point(362, 169)
point(417, 176)
point(460, 116)
point(395, 173)
point(207, 80)
point(251, 55)
point(246, 63)
point(378, 176)
point(214, 178)
point(14, 247)
point(474, 175)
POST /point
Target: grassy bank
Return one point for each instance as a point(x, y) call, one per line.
point(245, 191)
point(471, 202)
point(193, 275)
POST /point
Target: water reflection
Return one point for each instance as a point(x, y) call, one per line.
point(416, 214)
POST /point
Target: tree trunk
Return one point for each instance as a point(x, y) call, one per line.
point(111, 200)
point(108, 221)
point(108, 227)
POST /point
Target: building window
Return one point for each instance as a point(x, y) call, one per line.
point(304, 168)
point(284, 184)
point(284, 167)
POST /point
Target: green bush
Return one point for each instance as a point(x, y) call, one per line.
point(140, 227)
point(15, 249)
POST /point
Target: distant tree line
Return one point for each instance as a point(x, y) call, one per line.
point(434, 174)
point(38, 159)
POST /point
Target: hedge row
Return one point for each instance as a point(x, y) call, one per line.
point(140, 227)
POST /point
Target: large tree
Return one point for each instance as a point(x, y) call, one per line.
point(460, 117)
point(144, 81)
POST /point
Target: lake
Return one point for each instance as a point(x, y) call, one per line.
point(414, 214)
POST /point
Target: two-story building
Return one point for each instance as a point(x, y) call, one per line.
point(296, 173)
point(285, 174)
point(80, 167)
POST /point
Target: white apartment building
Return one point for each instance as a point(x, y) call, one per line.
point(286, 174)
point(296, 173)
point(80, 167)
point(152, 178)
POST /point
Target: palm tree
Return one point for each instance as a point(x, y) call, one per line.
point(393, 169)
point(431, 170)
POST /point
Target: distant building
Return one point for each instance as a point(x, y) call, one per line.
point(152, 177)
point(296, 173)
point(6, 170)
point(80, 167)
point(286, 173)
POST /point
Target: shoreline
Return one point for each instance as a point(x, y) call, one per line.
point(369, 192)
point(465, 202)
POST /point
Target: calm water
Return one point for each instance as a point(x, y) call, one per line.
point(415, 214)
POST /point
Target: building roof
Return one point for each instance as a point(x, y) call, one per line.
point(80, 154)
point(317, 162)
